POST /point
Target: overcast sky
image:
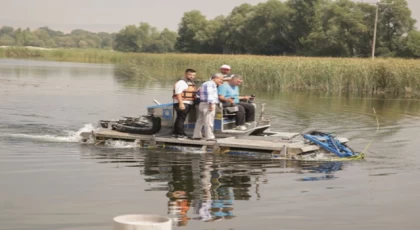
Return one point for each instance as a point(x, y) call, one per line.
point(113, 15)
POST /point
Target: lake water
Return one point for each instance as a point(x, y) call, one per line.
point(50, 181)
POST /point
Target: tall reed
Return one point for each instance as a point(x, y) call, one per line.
point(266, 73)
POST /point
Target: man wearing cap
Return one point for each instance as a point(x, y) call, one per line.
point(207, 108)
point(225, 70)
point(229, 95)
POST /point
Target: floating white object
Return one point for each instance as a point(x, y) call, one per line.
point(156, 102)
point(142, 222)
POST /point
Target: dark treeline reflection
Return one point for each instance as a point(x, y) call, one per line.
point(205, 187)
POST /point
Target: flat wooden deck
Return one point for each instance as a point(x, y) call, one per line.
point(274, 143)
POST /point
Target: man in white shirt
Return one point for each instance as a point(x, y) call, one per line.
point(184, 95)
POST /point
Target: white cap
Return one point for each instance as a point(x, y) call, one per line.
point(225, 67)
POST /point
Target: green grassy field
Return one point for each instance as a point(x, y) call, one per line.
point(266, 73)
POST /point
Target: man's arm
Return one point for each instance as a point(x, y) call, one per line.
point(223, 99)
point(179, 89)
point(181, 103)
point(244, 97)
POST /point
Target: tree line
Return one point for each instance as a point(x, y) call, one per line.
point(46, 37)
point(338, 28)
point(341, 28)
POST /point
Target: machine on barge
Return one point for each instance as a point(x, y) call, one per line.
point(154, 131)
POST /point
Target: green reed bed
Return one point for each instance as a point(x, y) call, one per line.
point(389, 76)
point(379, 76)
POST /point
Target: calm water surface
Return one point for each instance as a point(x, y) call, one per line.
point(49, 181)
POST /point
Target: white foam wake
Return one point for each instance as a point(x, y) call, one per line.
point(121, 144)
point(72, 136)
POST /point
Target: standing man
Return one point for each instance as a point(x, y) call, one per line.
point(225, 70)
point(207, 108)
point(229, 96)
point(184, 95)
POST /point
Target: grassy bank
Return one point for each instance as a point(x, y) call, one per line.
point(69, 55)
point(389, 76)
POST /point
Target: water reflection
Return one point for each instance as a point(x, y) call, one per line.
point(46, 69)
point(326, 170)
point(205, 187)
point(41, 101)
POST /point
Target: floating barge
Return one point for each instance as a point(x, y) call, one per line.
point(256, 140)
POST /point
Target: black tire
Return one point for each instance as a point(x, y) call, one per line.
point(147, 130)
point(104, 124)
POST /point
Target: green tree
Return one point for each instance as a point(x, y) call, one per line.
point(234, 33)
point(107, 40)
point(82, 44)
point(144, 38)
point(125, 40)
point(51, 33)
point(395, 21)
point(211, 37)
point(6, 30)
point(146, 35)
point(90, 40)
point(410, 45)
point(19, 37)
point(364, 46)
point(44, 36)
point(65, 41)
point(413, 43)
point(301, 19)
point(269, 29)
point(6, 40)
point(168, 39)
point(191, 23)
point(30, 39)
point(338, 30)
